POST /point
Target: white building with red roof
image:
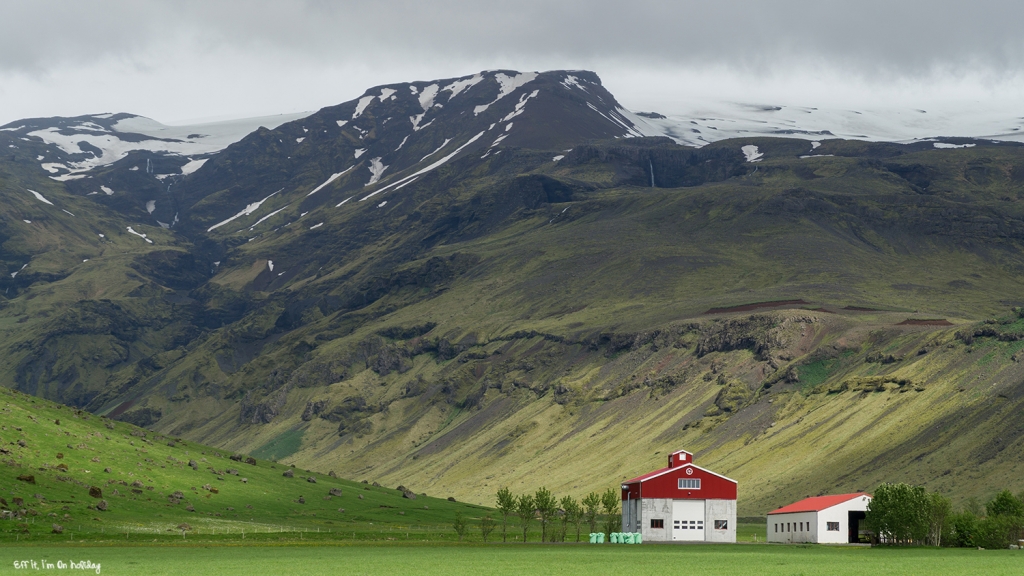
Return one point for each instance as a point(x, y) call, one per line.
point(820, 520)
point(682, 502)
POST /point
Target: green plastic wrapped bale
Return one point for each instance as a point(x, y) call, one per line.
point(593, 537)
point(600, 537)
point(630, 538)
point(639, 538)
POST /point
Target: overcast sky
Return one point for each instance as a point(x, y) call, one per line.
point(188, 60)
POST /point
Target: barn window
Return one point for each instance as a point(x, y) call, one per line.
point(801, 526)
point(657, 523)
point(721, 524)
point(833, 526)
point(689, 483)
point(776, 527)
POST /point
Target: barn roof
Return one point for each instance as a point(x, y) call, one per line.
point(661, 471)
point(818, 503)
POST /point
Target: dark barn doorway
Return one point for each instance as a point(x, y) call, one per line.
point(853, 521)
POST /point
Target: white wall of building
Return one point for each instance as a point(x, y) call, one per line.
point(656, 509)
point(793, 528)
point(840, 513)
point(719, 510)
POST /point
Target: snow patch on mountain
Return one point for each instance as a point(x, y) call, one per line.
point(267, 217)
point(751, 153)
point(386, 93)
point(329, 180)
point(462, 84)
point(192, 166)
point(249, 209)
point(377, 169)
point(143, 236)
point(521, 106)
point(151, 206)
point(361, 106)
point(506, 85)
point(40, 197)
point(411, 177)
point(439, 148)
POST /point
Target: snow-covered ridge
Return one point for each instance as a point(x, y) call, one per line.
point(115, 139)
point(698, 124)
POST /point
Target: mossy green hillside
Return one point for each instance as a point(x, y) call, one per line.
point(60, 464)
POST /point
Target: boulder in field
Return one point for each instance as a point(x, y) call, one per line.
point(251, 461)
point(301, 500)
point(60, 455)
point(311, 479)
point(332, 474)
point(335, 492)
point(58, 529)
point(288, 474)
point(95, 492)
point(22, 443)
point(101, 505)
point(190, 508)
point(27, 478)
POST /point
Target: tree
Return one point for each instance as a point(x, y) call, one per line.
point(592, 505)
point(459, 524)
point(506, 507)
point(939, 510)
point(486, 526)
point(546, 505)
point(898, 513)
point(610, 505)
point(1005, 522)
point(525, 510)
point(575, 515)
point(1005, 504)
point(963, 529)
point(569, 506)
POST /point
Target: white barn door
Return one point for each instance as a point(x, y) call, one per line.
point(688, 520)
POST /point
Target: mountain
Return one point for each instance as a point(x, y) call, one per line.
point(507, 278)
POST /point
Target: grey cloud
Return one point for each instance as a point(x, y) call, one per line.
point(872, 37)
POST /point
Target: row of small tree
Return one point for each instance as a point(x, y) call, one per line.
point(558, 517)
point(902, 514)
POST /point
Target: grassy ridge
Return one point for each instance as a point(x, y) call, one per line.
point(138, 473)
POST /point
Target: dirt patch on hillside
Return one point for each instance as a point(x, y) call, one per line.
point(757, 306)
point(925, 322)
point(121, 409)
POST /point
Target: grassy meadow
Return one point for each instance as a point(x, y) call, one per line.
point(388, 558)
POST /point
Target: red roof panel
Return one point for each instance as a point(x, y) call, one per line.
point(817, 503)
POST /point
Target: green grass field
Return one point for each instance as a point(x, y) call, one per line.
point(519, 559)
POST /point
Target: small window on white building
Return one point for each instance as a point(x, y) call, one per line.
point(776, 527)
point(657, 523)
point(832, 526)
point(689, 483)
point(721, 524)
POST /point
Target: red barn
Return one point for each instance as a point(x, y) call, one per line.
point(682, 502)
